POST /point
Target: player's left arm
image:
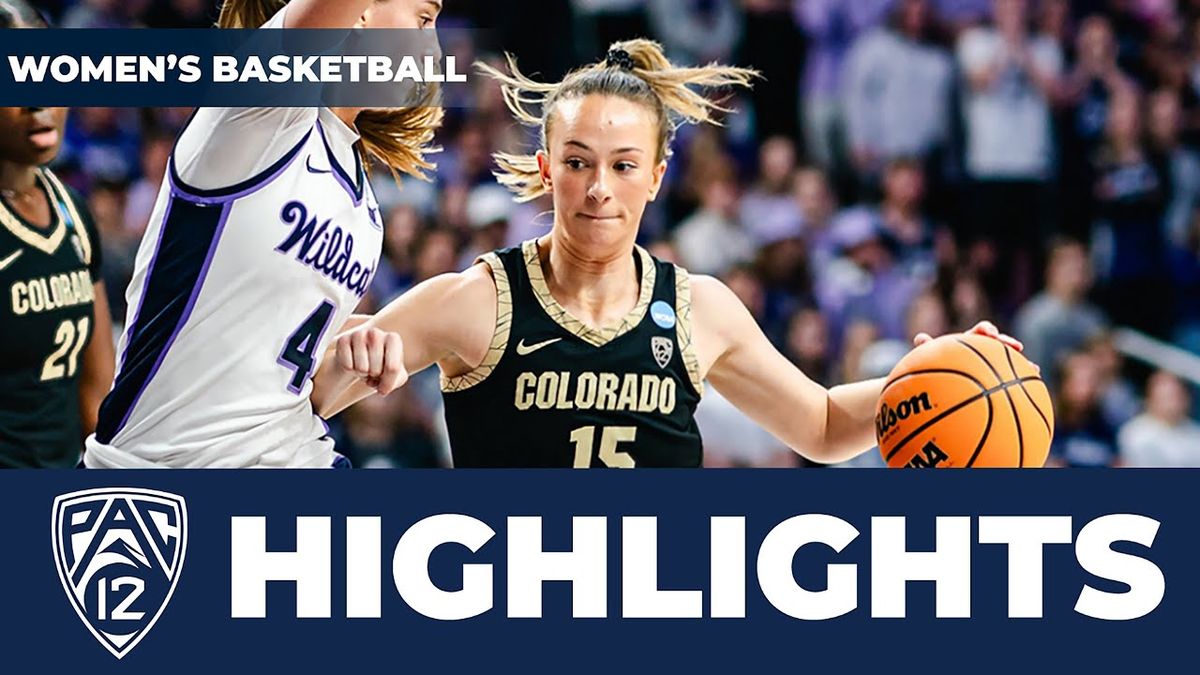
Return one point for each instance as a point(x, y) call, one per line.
point(99, 361)
point(353, 322)
point(824, 425)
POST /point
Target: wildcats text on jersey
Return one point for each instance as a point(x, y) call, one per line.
point(329, 252)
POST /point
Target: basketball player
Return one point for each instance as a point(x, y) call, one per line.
point(264, 238)
point(56, 339)
point(579, 348)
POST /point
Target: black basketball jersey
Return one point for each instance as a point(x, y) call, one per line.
point(46, 318)
point(552, 392)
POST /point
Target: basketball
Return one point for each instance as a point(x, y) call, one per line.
point(964, 401)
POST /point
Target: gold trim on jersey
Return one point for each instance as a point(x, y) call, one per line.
point(683, 328)
point(504, 316)
point(85, 242)
point(597, 337)
point(46, 243)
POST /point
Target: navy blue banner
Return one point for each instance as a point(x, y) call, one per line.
point(220, 67)
point(152, 572)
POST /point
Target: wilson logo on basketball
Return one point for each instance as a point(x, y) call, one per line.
point(929, 457)
point(889, 417)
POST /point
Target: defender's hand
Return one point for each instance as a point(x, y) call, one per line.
point(375, 356)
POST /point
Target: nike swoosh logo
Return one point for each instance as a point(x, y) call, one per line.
point(10, 259)
point(308, 165)
point(525, 350)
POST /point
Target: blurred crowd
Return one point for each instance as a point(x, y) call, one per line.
point(904, 166)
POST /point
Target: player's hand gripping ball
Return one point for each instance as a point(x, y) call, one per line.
point(965, 400)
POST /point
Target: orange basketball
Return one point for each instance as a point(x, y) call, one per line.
point(961, 401)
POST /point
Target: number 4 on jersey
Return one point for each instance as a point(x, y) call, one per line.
point(300, 350)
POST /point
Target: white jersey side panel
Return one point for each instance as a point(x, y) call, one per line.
point(236, 294)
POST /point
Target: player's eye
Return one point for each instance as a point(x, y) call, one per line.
point(427, 21)
point(575, 163)
point(624, 167)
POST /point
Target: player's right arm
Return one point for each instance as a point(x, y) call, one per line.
point(221, 147)
point(447, 320)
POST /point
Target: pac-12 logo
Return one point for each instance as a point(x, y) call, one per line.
point(119, 552)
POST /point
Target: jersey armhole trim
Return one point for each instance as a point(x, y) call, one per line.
point(683, 328)
point(228, 194)
point(504, 315)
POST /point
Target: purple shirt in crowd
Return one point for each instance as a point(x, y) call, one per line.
point(832, 26)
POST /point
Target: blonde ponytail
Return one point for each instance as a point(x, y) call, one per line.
point(636, 70)
point(401, 137)
point(398, 137)
point(247, 13)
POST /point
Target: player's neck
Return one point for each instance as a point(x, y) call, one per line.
point(347, 115)
point(17, 179)
point(595, 286)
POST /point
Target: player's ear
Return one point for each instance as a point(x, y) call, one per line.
point(543, 161)
point(656, 178)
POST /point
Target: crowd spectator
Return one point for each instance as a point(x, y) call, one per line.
point(696, 32)
point(1011, 79)
point(1059, 320)
point(831, 27)
point(1082, 436)
point(1162, 436)
point(767, 208)
point(897, 88)
point(1131, 194)
point(864, 282)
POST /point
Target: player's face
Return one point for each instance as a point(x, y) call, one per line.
point(419, 14)
point(407, 14)
point(602, 168)
point(31, 136)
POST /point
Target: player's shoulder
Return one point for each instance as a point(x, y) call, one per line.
point(709, 290)
point(717, 310)
point(477, 283)
point(465, 292)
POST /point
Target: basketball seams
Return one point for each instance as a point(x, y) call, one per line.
point(992, 424)
point(954, 408)
point(1020, 434)
point(1025, 391)
point(927, 371)
point(1011, 404)
point(987, 429)
point(986, 362)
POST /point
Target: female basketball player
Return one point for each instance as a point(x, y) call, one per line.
point(579, 348)
point(264, 238)
point(57, 337)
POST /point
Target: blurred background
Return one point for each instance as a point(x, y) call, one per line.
point(906, 166)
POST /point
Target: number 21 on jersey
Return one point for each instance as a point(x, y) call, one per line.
point(69, 339)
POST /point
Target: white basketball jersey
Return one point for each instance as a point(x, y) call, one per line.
point(236, 294)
